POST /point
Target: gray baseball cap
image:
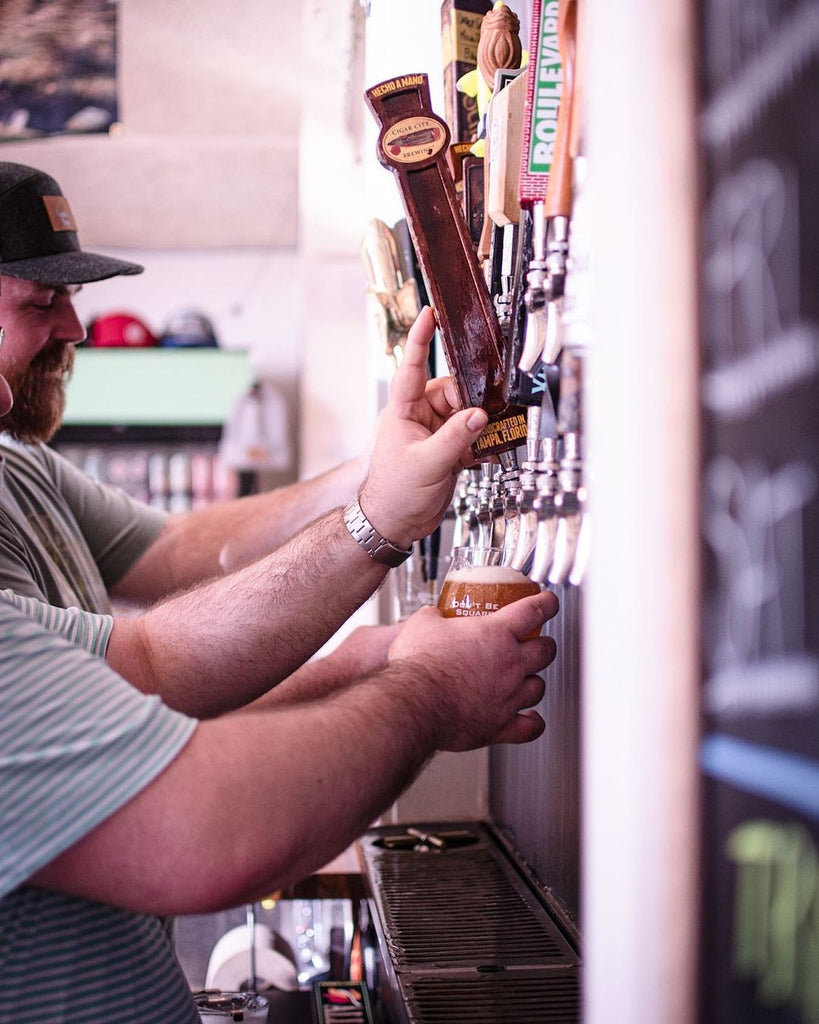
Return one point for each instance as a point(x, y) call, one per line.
point(38, 235)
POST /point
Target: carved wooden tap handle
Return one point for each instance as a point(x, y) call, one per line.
point(412, 144)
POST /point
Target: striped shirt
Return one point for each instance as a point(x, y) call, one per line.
point(76, 743)
point(83, 629)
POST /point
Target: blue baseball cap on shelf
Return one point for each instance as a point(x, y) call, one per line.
point(188, 328)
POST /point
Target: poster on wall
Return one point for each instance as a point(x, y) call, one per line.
point(760, 511)
point(57, 67)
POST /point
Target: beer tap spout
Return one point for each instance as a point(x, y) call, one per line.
point(521, 556)
point(556, 260)
point(483, 507)
point(460, 510)
point(536, 297)
point(517, 550)
point(536, 553)
point(570, 504)
point(472, 503)
point(510, 484)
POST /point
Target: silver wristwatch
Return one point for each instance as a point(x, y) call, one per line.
point(366, 536)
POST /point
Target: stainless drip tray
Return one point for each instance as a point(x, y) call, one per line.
point(517, 999)
point(464, 936)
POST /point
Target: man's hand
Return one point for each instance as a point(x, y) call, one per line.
point(483, 670)
point(423, 442)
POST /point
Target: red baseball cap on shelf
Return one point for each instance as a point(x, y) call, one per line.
point(120, 330)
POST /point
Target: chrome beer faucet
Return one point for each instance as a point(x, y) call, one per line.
point(489, 510)
point(461, 510)
point(473, 502)
point(521, 556)
point(570, 506)
point(571, 500)
point(541, 553)
point(510, 489)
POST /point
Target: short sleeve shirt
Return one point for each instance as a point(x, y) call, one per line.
point(64, 538)
point(77, 742)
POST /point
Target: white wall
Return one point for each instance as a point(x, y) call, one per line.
point(251, 295)
point(639, 725)
point(199, 180)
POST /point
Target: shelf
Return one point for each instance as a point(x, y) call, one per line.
point(156, 386)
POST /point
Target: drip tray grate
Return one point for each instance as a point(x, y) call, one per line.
point(464, 936)
point(544, 999)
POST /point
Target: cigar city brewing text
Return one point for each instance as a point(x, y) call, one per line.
point(404, 82)
point(548, 90)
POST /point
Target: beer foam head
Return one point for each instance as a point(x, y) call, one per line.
point(490, 574)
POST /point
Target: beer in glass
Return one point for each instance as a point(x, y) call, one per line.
point(477, 584)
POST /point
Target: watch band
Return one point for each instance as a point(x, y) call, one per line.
point(367, 537)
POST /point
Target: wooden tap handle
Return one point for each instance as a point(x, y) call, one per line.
point(504, 132)
point(456, 154)
point(412, 143)
point(499, 44)
point(579, 77)
point(559, 190)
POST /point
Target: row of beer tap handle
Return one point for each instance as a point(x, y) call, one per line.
point(535, 515)
point(530, 244)
point(535, 511)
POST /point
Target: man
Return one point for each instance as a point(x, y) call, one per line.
point(68, 542)
point(96, 552)
point(117, 809)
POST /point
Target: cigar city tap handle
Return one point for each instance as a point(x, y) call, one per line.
point(412, 144)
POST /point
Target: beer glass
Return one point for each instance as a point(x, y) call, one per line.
point(477, 584)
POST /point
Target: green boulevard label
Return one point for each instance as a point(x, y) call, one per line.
point(547, 92)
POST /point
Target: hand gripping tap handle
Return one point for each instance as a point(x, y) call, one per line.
point(412, 144)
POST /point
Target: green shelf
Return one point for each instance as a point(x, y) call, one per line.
point(155, 386)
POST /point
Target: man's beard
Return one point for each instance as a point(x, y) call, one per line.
point(39, 396)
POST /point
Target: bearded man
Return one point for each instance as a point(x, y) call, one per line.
point(120, 794)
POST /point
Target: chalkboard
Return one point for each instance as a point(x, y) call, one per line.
point(759, 134)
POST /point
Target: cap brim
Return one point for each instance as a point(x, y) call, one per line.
point(69, 268)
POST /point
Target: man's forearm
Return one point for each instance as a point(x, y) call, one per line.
point(362, 653)
point(222, 645)
point(227, 535)
point(215, 848)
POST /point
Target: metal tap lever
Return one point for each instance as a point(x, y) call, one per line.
point(570, 508)
point(541, 553)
